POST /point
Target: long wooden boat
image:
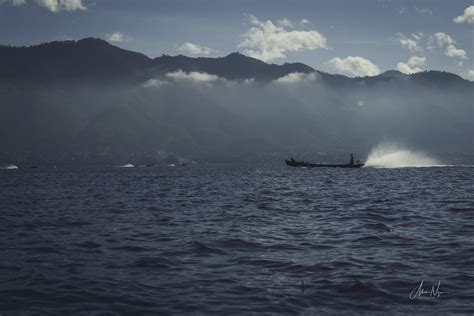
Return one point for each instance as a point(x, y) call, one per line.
point(294, 163)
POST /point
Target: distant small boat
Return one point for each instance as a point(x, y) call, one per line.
point(129, 165)
point(171, 165)
point(305, 164)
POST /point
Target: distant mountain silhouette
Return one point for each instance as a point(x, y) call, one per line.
point(96, 60)
point(86, 59)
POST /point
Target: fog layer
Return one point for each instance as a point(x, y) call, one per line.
point(205, 118)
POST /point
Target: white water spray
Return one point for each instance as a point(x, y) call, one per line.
point(8, 167)
point(394, 156)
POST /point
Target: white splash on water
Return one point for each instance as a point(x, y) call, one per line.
point(395, 156)
point(8, 167)
point(128, 165)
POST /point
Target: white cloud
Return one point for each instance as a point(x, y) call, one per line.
point(402, 67)
point(304, 22)
point(288, 24)
point(187, 77)
point(249, 81)
point(412, 65)
point(417, 36)
point(416, 61)
point(194, 49)
point(266, 41)
point(410, 43)
point(296, 77)
point(467, 17)
point(192, 76)
point(52, 5)
point(355, 65)
point(443, 39)
point(285, 23)
point(117, 37)
point(154, 83)
point(470, 74)
point(62, 5)
point(423, 11)
point(452, 51)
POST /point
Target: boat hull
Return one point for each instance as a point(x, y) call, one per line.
point(302, 164)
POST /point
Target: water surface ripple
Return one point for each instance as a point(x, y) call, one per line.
point(235, 240)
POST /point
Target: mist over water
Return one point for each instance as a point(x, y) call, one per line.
point(204, 118)
point(396, 156)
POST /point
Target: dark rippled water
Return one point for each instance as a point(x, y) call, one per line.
point(235, 240)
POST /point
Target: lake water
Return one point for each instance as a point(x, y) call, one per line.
point(236, 240)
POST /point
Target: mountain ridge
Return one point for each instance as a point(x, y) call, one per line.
point(97, 59)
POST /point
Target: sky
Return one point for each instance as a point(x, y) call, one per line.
point(355, 38)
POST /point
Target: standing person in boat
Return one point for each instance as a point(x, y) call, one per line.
point(352, 160)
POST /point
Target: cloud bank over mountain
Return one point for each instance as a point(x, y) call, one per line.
point(355, 66)
point(194, 49)
point(412, 66)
